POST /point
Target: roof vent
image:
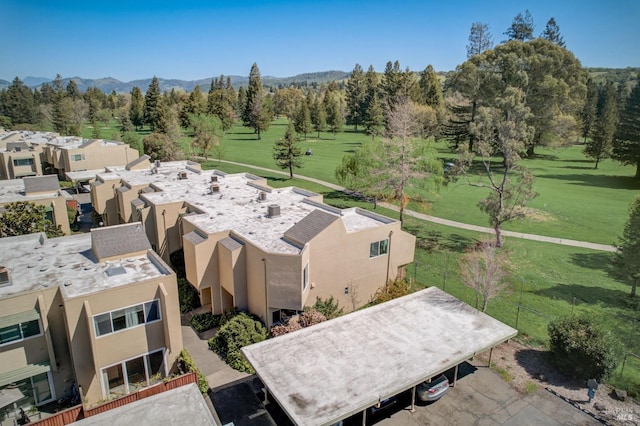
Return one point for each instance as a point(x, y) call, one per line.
point(262, 196)
point(157, 163)
point(214, 188)
point(5, 279)
point(154, 170)
point(182, 175)
point(273, 210)
point(214, 178)
point(116, 270)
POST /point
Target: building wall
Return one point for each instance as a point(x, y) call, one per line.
point(97, 156)
point(92, 353)
point(8, 169)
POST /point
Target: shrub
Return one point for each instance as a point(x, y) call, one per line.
point(308, 318)
point(239, 331)
point(329, 308)
point(190, 366)
point(188, 296)
point(205, 321)
point(582, 348)
point(391, 290)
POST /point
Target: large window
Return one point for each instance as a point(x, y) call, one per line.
point(19, 331)
point(135, 373)
point(129, 317)
point(379, 248)
point(77, 157)
point(36, 390)
point(23, 162)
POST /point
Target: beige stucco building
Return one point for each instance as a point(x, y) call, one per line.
point(99, 308)
point(39, 190)
point(28, 153)
point(246, 245)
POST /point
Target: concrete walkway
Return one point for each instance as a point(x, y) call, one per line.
point(218, 373)
point(446, 222)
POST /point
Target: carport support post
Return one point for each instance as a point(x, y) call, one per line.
point(413, 400)
point(266, 393)
point(490, 355)
point(364, 418)
point(455, 376)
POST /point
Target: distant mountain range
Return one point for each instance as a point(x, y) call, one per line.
point(109, 84)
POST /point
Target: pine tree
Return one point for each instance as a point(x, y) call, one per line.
point(355, 97)
point(257, 113)
point(590, 109)
point(430, 88)
point(480, 39)
point(601, 143)
point(521, 28)
point(287, 153)
point(628, 254)
point(61, 114)
point(552, 33)
point(626, 148)
point(302, 119)
point(374, 113)
point(18, 104)
point(151, 100)
point(72, 90)
point(194, 105)
point(136, 108)
point(318, 116)
point(333, 109)
point(221, 102)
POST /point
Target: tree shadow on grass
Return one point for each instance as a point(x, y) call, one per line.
point(583, 294)
point(537, 364)
point(597, 261)
point(599, 181)
point(434, 240)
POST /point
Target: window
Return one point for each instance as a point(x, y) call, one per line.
point(23, 162)
point(133, 374)
point(19, 331)
point(305, 277)
point(379, 248)
point(129, 317)
point(77, 157)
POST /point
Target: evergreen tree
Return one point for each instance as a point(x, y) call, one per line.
point(151, 100)
point(626, 148)
point(194, 105)
point(241, 102)
point(552, 33)
point(221, 102)
point(430, 88)
point(61, 111)
point(373, 114)
point(356, 97)
point(318, 115)
point(590, 109)
point(136, 108)
point(480, 39)
point(287, 153)
point(333, 110)
point(521, 28)
point(628, 254)
point(72, 90)
point(206, 132)
point(601, 143)
point(257, 113)
point(18, 104)
point(302, 119)
point(162, 119)
point(24, 217)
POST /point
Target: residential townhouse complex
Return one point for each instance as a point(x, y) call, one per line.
point(247, 245)
point(40, 190)
point(25, 153)
point(100, 309)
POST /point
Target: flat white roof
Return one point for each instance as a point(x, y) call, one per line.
point(332, 370)
point(13, 190)
point(35, 262)
point(182, 406)
point(236, 206)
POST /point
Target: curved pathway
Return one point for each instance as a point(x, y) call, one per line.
point(447, 222)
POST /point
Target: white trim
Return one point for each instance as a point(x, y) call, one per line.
point(93, 317)
point(123, 366)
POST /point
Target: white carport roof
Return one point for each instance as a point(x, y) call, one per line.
point(325, 373)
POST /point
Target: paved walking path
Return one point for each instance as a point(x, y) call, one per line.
point(447, 222)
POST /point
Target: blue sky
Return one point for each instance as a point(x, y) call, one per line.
point(189, 40)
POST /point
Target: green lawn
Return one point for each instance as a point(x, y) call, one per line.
point(549, 280)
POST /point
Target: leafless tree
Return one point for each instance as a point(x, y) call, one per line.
point(485, 269)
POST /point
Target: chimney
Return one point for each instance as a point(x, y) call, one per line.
point(273, 210)
point(262, 196)
point(214, 188)
point(157, 163)
point(182, 175)
point(214, 178)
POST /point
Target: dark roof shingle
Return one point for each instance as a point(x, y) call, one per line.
point(310, 226)
point(119, 240)
point(37, 184)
